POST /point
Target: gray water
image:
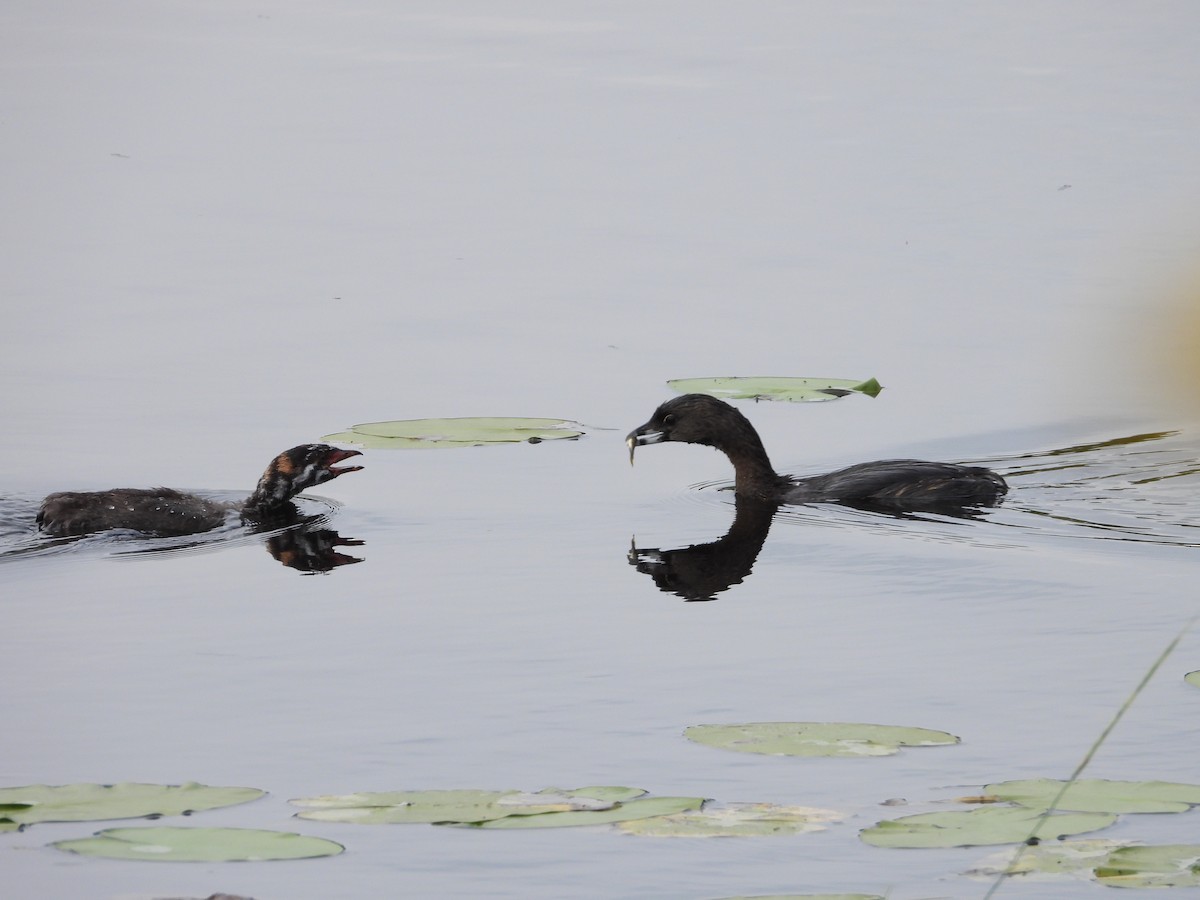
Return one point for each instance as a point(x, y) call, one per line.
point(230, 229)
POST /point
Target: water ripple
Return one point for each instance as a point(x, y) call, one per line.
point(1139, 487)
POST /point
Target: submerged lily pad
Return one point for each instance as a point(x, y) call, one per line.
point(1192, 678)
point(173, 844)
point(90, 802)
point(458, 806)
point(620, 812)
point(1167, 865)
point(461, 432)
point(816, 738)
point(735, 820)
point(979, 827)
point(796, 390)
point(1100, 795)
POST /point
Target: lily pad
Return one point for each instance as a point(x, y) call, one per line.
point(1167, 865)
point(620, 812)
point(979, 827)
point(1100, 795)
point(173, 844)
point(795, 390)
point(462, 432)
point(816, 738)
point(458, 806)
point(1074, 858)
point(90, 802)
point(1111, 863)
point(735, 820)
point(1192, 678)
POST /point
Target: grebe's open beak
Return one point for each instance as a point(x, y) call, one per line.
point(336, 456)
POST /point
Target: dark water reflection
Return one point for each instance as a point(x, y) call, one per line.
point(299, 537)
point(701, 571)
point(1136, 488)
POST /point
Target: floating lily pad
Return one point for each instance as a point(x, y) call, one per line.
point(796, 390)
point(418, 810)
point(90, 802)
point(735, 820)
point(979, 827)
point(1167, 865)
point(1074, 858)
point(173, 844)
point(1100, 795)
point(816, 738)
point(462, 432)
point(1111, 863)
point(620, 812)
point(1192, 678)
point(458, 806)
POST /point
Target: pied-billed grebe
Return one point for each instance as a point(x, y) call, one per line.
point(891, 484)
point(164, 511)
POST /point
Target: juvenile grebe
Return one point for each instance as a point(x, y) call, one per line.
point(165, 511)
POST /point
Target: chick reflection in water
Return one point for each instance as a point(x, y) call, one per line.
point(298, 541)
point(312, 550)
point(702, 571)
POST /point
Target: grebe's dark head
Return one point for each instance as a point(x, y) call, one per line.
point(298, 469)
point(695, 419)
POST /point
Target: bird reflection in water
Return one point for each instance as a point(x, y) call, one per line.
point(312, 550)
point(300, 541)
point(702, 571)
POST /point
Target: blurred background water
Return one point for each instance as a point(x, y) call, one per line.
point(232, 229)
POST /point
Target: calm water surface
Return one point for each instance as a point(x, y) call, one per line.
point(233, 229)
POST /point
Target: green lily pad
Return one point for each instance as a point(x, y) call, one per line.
point(602, 792)
point(173, 844)
point(1111, 863)
point(90, 802)
point(816, 738)
point(1074, 858)
point(422, 807)
point(734, 820)
point(1100, 795)
point(796, 390)
point(549, 808)
point(979, 827)
point(620, 812)
point(458, 806)
point(1167, 865)
point(1193, 678)
point(461, 432)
